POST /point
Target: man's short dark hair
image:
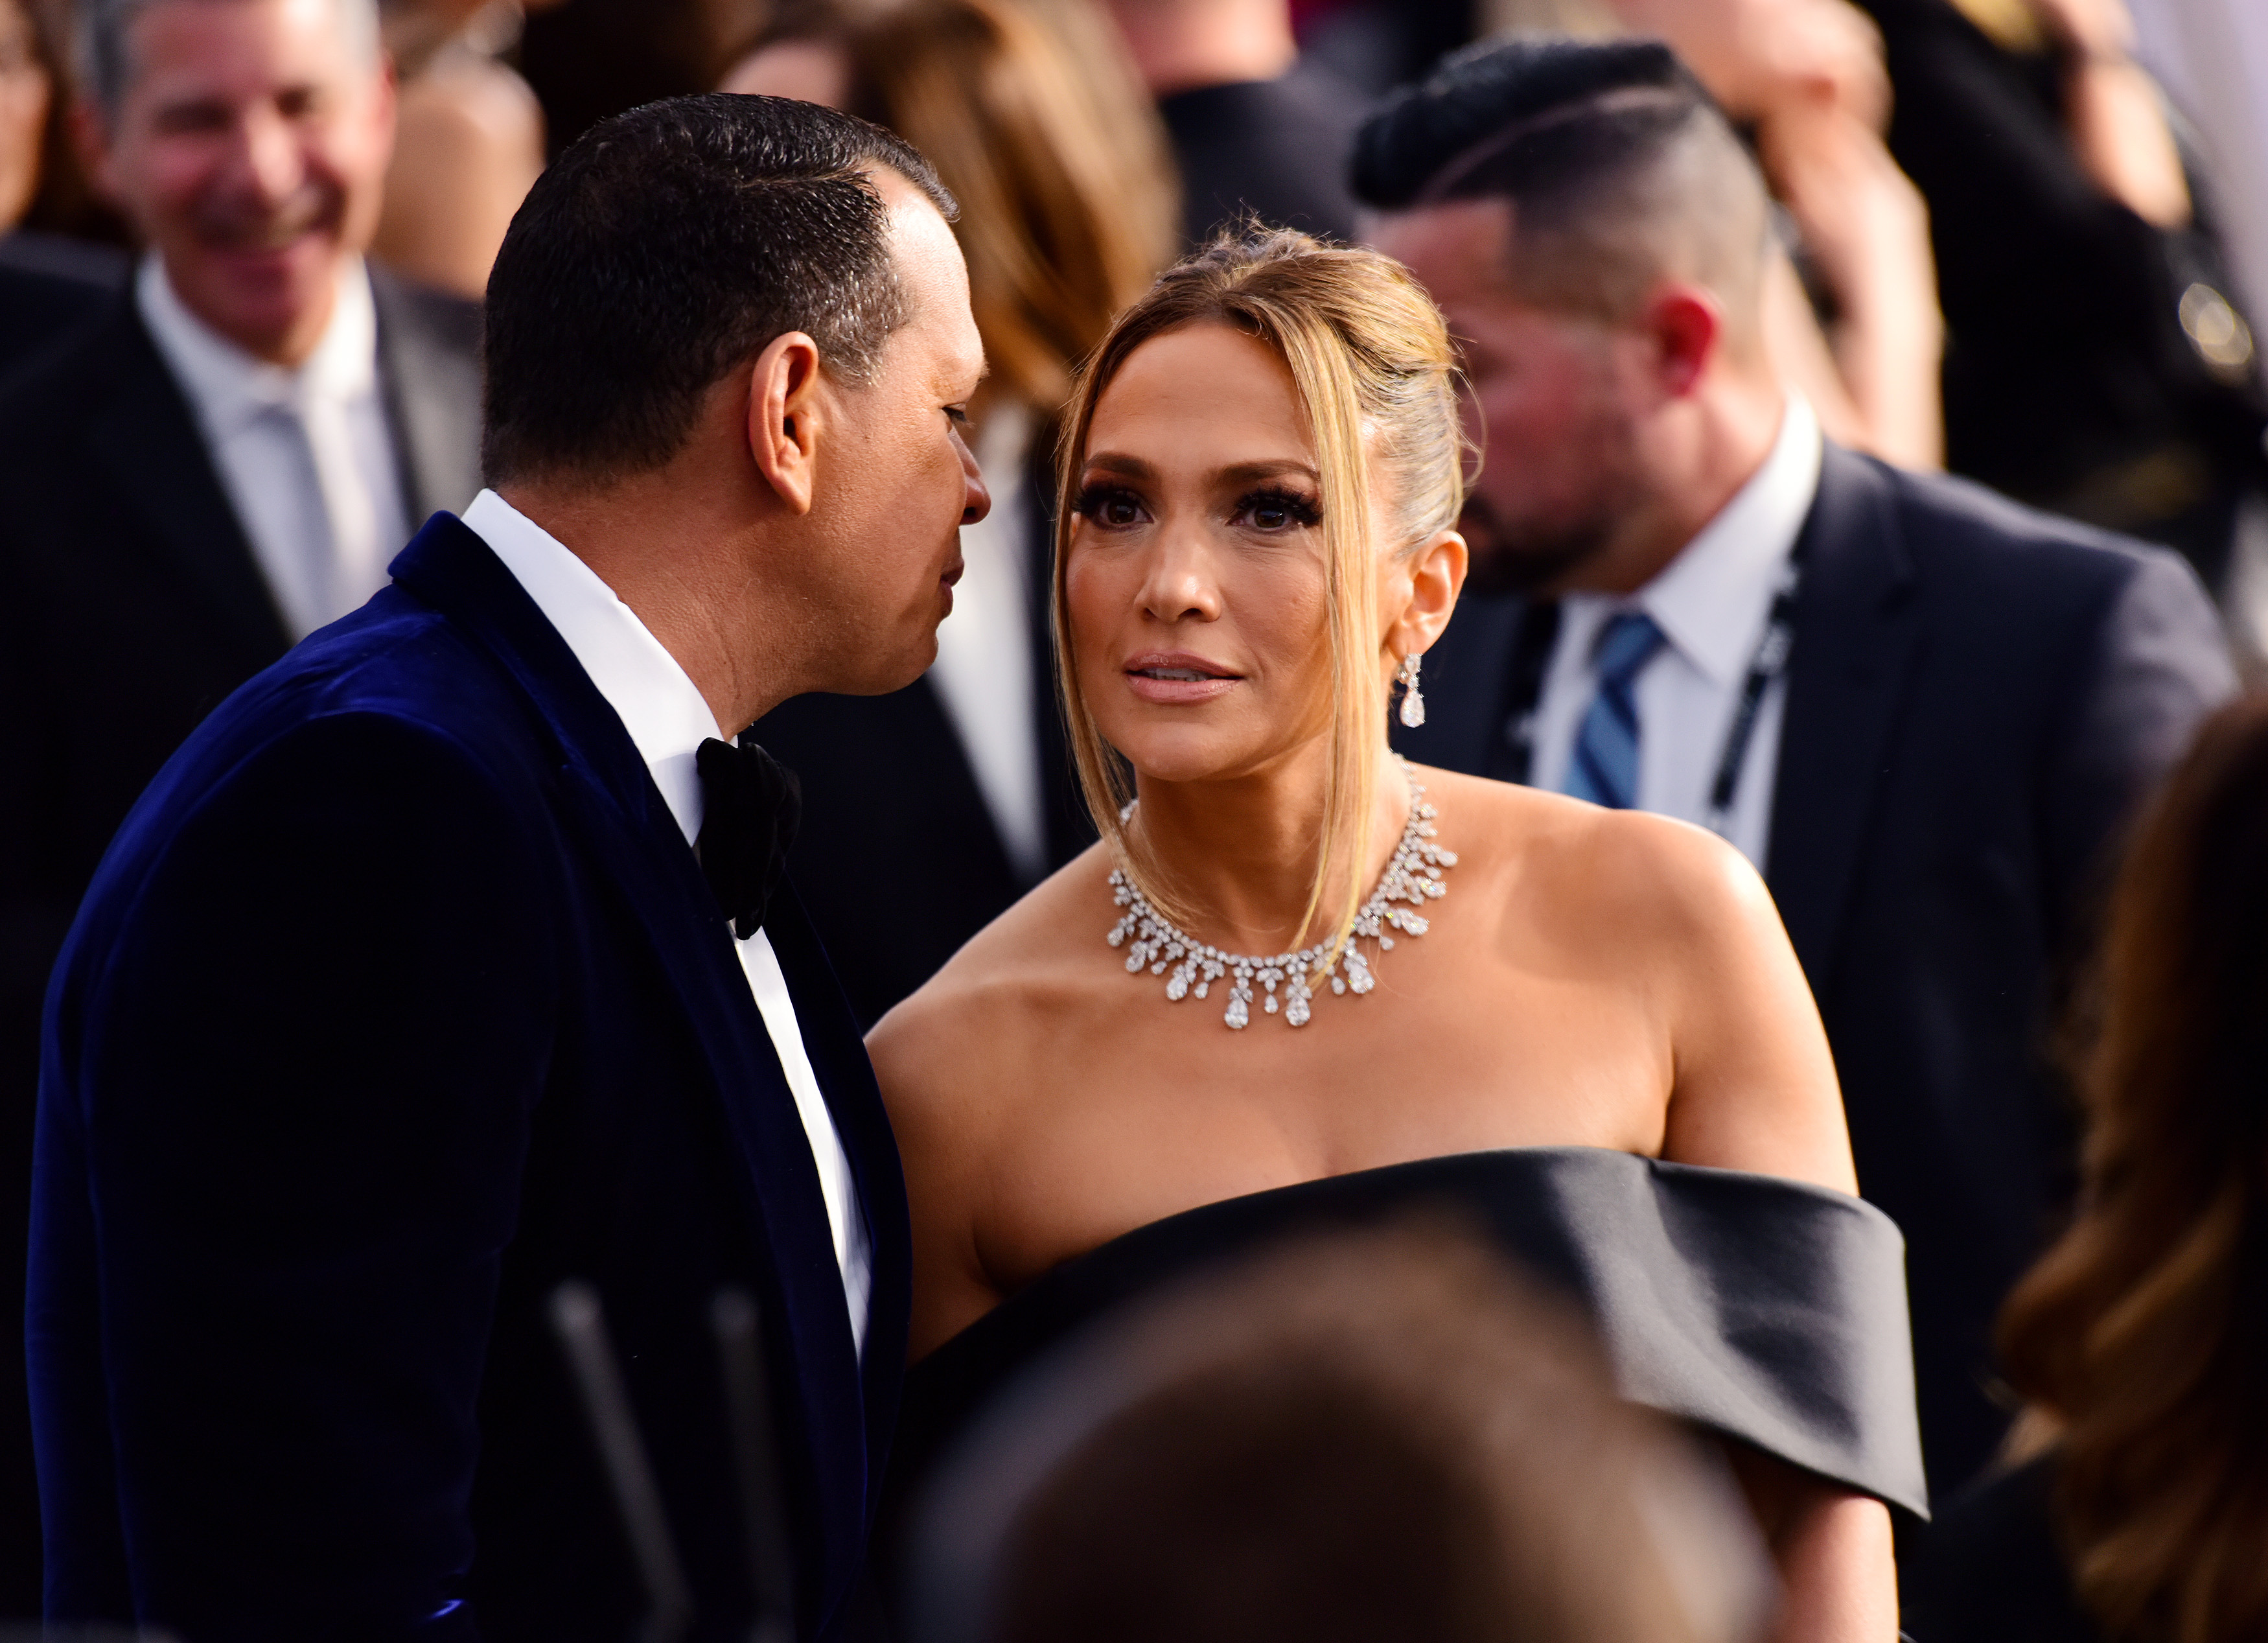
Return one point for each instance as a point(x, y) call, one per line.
point(1619, 167)
point(667, 247)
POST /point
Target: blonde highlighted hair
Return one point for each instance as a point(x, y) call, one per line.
point(1376, 377)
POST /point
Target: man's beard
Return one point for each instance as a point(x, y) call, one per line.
point(1530, 555)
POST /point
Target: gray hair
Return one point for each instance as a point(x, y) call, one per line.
point(106, 70)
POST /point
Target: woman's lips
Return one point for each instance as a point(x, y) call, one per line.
point(1175, 680)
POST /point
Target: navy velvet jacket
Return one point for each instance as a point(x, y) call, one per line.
point(1978, 697)
point(398, 1000)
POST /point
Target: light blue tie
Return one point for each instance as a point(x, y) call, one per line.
point(1604, 767)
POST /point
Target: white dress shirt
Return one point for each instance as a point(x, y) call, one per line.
point(668, 719)
point(305, 455)
point(1711, 603)
point(985, 670)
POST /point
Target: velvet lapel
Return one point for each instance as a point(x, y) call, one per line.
point(613, 802)
point(1464, 680)
point(1857, 627)
point(143, 432)
point(846, 1078)
point(433, 394)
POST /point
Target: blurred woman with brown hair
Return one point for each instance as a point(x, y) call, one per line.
point(2141, 1339)
point(929, 811)
point(1066, 195)
point(49, 284)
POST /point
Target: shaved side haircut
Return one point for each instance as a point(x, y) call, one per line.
point(1619, 169)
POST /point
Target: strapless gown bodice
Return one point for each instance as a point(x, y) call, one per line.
point(1765, 1309)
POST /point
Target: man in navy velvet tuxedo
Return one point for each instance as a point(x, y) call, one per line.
point(448, 962)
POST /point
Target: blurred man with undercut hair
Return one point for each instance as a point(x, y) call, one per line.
point(220, 463)
point(1925, 712)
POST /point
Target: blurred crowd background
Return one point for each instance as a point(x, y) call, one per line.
point(2024, 241)
point(2024, 236)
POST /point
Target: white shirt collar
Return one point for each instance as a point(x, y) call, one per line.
point(1711, 599)
point(664, 711)
point(231, 388)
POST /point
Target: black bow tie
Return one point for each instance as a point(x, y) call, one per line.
point(750, 805)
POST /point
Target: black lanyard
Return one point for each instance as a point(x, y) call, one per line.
point(1531, 659)
point(1769, 662)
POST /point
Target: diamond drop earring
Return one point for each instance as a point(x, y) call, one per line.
point(1413, 699)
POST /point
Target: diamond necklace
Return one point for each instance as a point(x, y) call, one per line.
point(1413, 875)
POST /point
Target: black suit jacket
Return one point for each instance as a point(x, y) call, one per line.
point(1978, 698)
point(130, 605)
point(1275, 148)
point(2069, 380)
point(898, 857)
point(400, 999)
point(50, 287)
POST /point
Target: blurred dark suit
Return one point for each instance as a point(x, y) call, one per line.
point(1994, 1572)
point(1977, 699)
point(130, 603)
point(898, 860)
point(49, 287)
point(1276, 147)
point(2070, 382)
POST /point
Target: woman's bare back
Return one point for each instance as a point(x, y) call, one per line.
point(1591, 978)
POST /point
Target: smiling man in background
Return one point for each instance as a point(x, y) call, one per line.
point(224, 464)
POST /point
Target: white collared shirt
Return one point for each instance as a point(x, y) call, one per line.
point(986, 672)
point(305, 455)
point(1711, 603)
point(668, 718)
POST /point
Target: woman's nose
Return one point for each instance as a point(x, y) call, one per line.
point(1180, 585)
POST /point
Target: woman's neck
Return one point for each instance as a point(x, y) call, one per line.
point(1237, 854)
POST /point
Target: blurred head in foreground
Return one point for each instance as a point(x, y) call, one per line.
point(1376, 1435)
point(2141, 1338)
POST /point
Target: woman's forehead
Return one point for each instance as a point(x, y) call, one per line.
point(1207, 395)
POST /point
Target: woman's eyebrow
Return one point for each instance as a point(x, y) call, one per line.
point(1125, 467)
point(1247, 472)
point(1129, 467)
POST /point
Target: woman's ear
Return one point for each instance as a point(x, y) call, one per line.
point(784, 417)
point(1437, 575)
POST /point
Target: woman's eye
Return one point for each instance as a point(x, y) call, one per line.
point(1274, 512)
point(1112, 509)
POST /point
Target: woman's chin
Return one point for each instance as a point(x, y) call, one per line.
point(1190, 754)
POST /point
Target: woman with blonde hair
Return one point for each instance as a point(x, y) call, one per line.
point(1298, 981)
point(930, 810)
point(2140, 1512)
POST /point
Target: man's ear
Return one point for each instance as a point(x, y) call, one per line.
point(1686, 325)
point(1437, 575)
point(784, 417)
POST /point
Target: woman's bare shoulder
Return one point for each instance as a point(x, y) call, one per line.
point(1619, 873)
point(1001, 1004)
point(1677, 914)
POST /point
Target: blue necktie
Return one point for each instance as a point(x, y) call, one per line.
point(1604, 767)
